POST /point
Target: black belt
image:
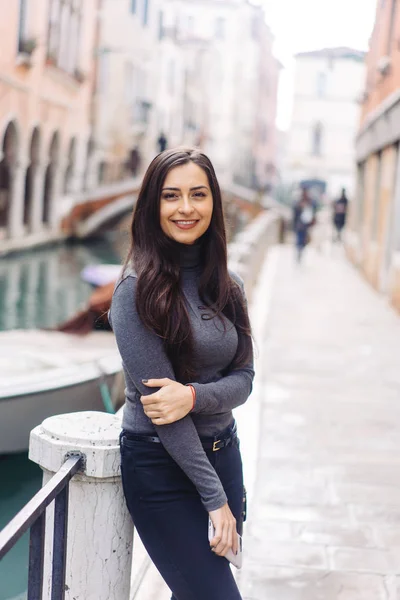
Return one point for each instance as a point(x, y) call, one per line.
point(224, 439)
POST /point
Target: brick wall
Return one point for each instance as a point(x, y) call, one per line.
point(380, 86)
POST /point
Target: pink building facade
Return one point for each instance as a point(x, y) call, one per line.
point(46, 86)
point(265, 131)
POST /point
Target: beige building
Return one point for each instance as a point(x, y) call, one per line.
point(257, 75)
point(46, 78)
point(373, 236)
point(127, 55)
point(87, 86)
point(327, 88)
point(176, 67)
point(230, 85)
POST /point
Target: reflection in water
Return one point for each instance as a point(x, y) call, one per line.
point(42, 287)
point(21, 479)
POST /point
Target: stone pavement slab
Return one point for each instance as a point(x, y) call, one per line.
point(324, 521)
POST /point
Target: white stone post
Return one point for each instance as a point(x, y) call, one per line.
point(36, 223)
point(56, 193)
point(89, 181)
point(78, 169)
point(100, 530)
point(16, 207)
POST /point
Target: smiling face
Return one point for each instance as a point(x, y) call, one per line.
point(186, 203)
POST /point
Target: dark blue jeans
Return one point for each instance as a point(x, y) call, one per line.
point(301, 241)
point(173, 525)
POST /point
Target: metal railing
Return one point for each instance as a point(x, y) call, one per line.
point(33, 516)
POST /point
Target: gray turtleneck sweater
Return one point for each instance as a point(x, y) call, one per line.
point(143, 357)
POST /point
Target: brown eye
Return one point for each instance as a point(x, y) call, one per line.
point(169, 196)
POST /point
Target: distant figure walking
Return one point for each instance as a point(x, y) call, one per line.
point(162, 142)
point(303, 220)
point(134, 161)
point(340, 206)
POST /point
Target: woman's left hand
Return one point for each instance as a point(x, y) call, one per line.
point(170, 403)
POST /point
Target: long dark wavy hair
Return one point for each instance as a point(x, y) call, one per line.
point(155, 258)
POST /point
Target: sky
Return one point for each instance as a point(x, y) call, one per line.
point(302, 25)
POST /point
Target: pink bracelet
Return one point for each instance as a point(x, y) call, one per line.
point(193, 395)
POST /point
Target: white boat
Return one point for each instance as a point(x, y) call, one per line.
point(44, 373)
point(98, 275)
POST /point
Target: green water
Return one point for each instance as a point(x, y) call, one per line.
point(20, 480)
point(42, 287)
point(39, 288)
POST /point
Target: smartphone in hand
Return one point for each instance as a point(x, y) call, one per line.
point(234, 559)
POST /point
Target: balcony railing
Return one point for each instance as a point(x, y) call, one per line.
point(33, 516)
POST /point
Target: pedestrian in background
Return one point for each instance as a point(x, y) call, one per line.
point(134, 161)
point(303, 220)
point(162, 142)
point(183, 331)
point(340, 206)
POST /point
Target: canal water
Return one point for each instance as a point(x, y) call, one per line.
point(40, 288)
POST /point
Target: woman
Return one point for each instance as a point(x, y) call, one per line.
point(303, 221)
point(340, 206)
point(182, 328)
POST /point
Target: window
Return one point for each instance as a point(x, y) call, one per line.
point(263, 133)
point(160, 25)
point(376, 197)
point(391, 25)
point(190, 23)
point(128, 83)
point(103, 72)
point(396, 205)
point(69, 172)
point(176, 28)
point(133, 6)
point(316, 142)
point(54, 30)
point(64, 34)
point(359, 201)
point(171, 76)
point(220, 28)
point(143, 111)
point(145, 12)
point(321, 85)
point(255, 28)
point(102, 171)
point(141, 107)
point(64, 37)
point(75, 31)
point(22, 25)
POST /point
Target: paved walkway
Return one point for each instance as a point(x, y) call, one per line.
point(324, 520)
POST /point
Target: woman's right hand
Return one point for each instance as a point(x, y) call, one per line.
point(225, 531)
